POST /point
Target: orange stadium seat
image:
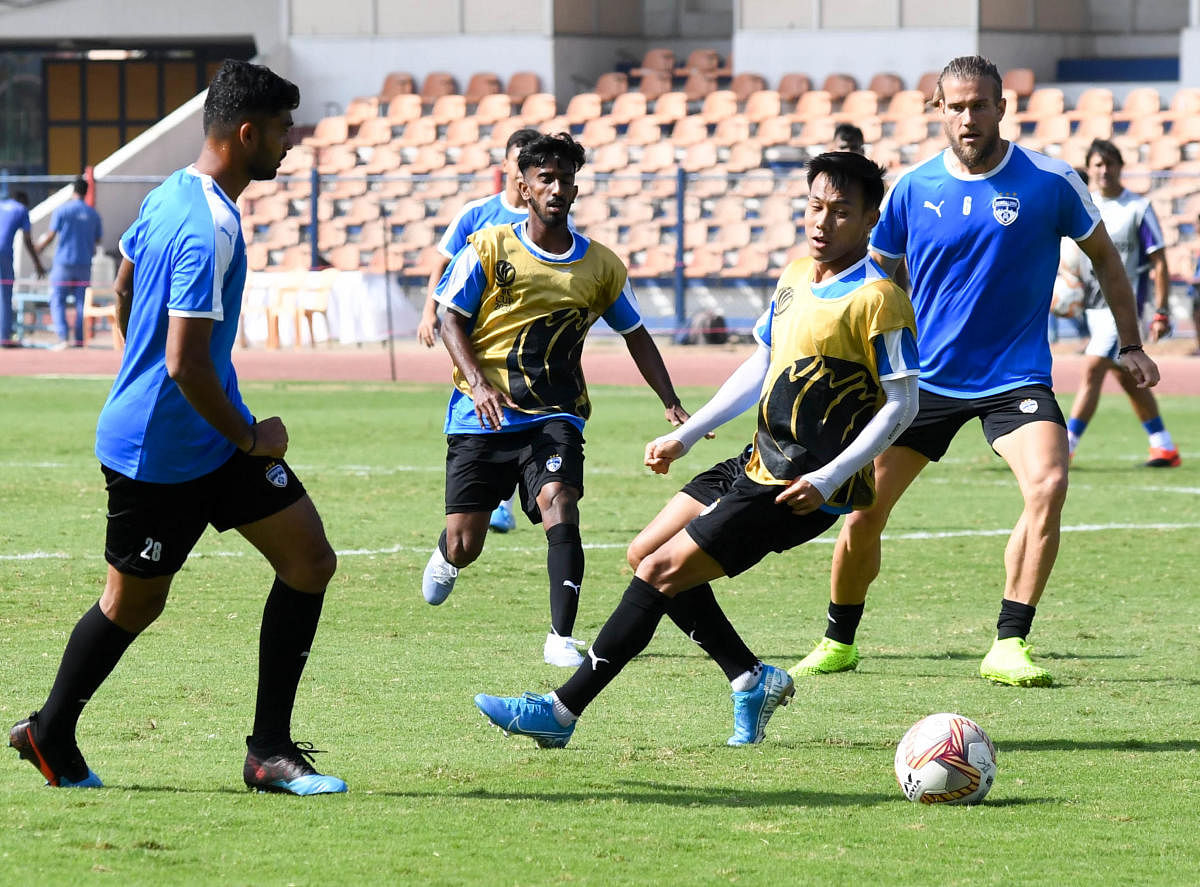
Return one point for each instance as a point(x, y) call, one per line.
point(396, 83)
point(1092, 101)
point(706, 60)
point(817, 133)
point(1046, 101)
point(671, 106)
point(336, 159)
point(886, 85)
point(745, 85)
point(839, 86)
point(422, 131)
point(654, 84)
point(657, 59)
point(718, 105)
point(689, 131)
point(464, 131)
point(538, 108)
point(744, 156)
point(359, 111)
point(482, 83)
point(774, 131)
point(704, 261)
point(1020, 81)
point(328, 131)
point(763, 104)
point(384, 158)
point(597, 132)
point(522, 85)
point(1185, 103)
point(700, 156)
point(437, 84)
point(751, 261)
point(403, 108)
point(610, 158)
point(473, 158)
point(428, 159)
point(816, 103)
point(627, 107)
point(731, 131)
point(611, 84)
point(502, 129)
point(582, 108)
point(698, 85)
point(905, 104)
point(793, 86)
point(447, 108)
point(927, 84)
point(493, 108)
point(375, 131)
point(1141, 102)
point(859, 104)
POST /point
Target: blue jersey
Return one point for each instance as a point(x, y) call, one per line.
point(189, 260)
point(982, 253)
point(14, 217)
point(475, 216)
point(77, 228)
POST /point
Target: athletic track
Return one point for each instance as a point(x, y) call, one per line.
point(605, 362)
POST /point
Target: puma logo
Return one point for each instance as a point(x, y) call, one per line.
point(570, 584)
point(692, 637)
point(596, 660)
point(937, 209)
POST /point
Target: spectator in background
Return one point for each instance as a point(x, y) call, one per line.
point(14, 217)
point(848, 137)
point(80, 230)
point(1194, 289)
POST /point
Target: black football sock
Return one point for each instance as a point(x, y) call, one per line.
point(701, 618)
point(625, 634)
point(289, 625)
point(564, 564)
point(843, 622)
point(1016, 619)
point(95, 647)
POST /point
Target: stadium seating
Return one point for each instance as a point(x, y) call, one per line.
point(396, 167)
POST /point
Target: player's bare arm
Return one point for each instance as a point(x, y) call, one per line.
point(190, 366)
point(1160, 327)
point(430, 325)
point(650, 364)
point(489, 402)
point(889, 265)
point(1114, 283)
point(123, 295)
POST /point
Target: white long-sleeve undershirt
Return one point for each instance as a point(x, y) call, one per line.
point(742, 389)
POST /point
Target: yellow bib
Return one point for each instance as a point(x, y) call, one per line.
point(533, 318)
point(822, 386)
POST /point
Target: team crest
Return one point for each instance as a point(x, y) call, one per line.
point(1006, 207)
point(276, 475)
point(505, 273)
point(554, 463)
point(1028, 405)
point(782, 300)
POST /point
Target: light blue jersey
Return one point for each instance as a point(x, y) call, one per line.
point(14, 217)
point(189, 260)
point(78, 229)
point(475, 216)
point(982, 252)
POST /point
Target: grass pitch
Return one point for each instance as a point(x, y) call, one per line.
point(1097, 776)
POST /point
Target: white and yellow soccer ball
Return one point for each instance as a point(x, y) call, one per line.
point(945, 759)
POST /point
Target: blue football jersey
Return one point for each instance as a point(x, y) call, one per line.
point(982, 252)
point(189, 260)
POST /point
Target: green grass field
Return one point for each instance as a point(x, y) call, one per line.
point(1098, 776)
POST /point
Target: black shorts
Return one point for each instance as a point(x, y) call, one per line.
point(744, 525)
point(709, 486)
point(939, 417)
point(152, 528)
point(482, 469)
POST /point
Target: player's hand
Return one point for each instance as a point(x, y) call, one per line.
point(661, 453)
point(1160, 327)
point(270, 438)
point(677, 415)
point(801, 496)
point(1141, 367)
point(489, 405)
point(428, 329)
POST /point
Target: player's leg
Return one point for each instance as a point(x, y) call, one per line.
point(77, 294)
point(6, 306)
point(673, 517)
point(150, 532)
point(857, 556)
point(479, 469)
point(552, 478)
point(1087, 398)
point(282, 523)
point(1037, 454)
point(1100, 355)
point(1163, 451)
point(58, 312)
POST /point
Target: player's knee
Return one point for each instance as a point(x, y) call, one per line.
point(1049, 491)
point(866, 524)
point(463, 548)
point(636, 552)
point(314, 571)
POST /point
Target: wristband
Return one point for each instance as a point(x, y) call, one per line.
point(1162, 315)
point(1125, 349)
point(253, 439)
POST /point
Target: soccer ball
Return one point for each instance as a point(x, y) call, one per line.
point(1067, 297)
point(945, 759)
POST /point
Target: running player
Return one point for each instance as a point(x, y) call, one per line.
point(980, 226)
point(835, 379)
point(1137, 235)
point(522, 298)
point(179, 449)
point(504, 207)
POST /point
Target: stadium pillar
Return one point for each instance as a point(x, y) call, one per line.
point(314, 261)
point(680, 294)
